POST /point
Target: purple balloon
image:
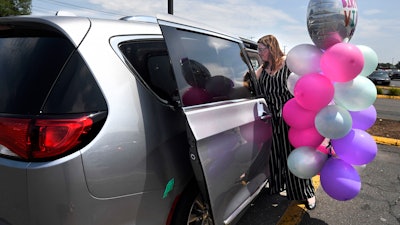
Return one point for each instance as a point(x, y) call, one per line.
point(364, 119)
point(357, 147)
point(340, 180)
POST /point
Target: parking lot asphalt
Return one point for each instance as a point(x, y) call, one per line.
point(384, 140)
point(295, 211)
point(378, 202)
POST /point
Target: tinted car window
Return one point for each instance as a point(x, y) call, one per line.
point(39, 66)
point(209, 69)
point(75, 91)
point(149, 58)
point(28, 68)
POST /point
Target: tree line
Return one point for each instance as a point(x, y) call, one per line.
point(15, 7)
point(388, 66)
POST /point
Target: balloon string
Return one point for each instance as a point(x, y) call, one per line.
point(329, 147)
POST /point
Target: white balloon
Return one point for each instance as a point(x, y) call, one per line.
point(304, 59)
point(291, 82)
point(360, 168)
point(306, 162)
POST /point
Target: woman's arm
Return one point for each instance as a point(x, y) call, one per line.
point(258, 72)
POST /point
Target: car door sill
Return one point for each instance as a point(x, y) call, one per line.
point(244, 204)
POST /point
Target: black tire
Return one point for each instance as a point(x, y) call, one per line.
point(192, 209)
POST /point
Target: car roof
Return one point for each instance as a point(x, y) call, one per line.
point(76, 27)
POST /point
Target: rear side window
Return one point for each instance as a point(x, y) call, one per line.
point(41, 72)
point(151, 61)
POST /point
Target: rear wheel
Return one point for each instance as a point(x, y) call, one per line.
point(192, 209)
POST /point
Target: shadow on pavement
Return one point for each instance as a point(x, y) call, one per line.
point(266, 209)
point(313, 221)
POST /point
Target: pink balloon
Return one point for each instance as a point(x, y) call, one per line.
point(297, 116)
point(314, 91)
point(305, 137)
point(342, 62)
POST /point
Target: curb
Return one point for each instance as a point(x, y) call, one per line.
point(295, 211)
point(383, 140)
point(386, 141)
point(388, 96)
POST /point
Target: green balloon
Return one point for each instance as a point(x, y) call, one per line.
point(355, 95)
point(370, 60)
point(306, 162)
point(333, 122)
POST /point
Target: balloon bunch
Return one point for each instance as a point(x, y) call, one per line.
point(333, 100)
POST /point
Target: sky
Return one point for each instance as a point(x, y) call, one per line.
point(378, 24)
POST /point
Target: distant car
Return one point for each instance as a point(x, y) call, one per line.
point(395, 74)
point(380, 77)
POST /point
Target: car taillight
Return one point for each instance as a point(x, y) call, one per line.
point(34, 139)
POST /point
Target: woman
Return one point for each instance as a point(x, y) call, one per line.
point(272, 77)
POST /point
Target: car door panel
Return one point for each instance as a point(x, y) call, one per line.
point(229, 130)
point(234, 163)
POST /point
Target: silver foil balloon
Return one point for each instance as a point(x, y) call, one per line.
point(331, 21)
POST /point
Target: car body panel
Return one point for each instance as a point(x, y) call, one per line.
point(13, 198)
point(226, 166)
point(134, 135)
point(75, 28)
point(141, 160)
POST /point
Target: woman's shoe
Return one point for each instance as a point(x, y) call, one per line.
point(311, 203)
point(283, 193)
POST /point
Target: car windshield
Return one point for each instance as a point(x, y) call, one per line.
point(379, 74)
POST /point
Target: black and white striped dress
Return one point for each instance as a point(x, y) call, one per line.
point(274, 88)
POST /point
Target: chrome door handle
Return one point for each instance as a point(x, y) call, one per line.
point(265, 116)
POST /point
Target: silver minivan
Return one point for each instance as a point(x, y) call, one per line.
point(142, 120)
